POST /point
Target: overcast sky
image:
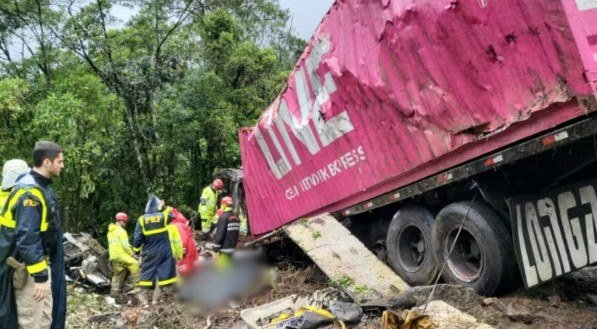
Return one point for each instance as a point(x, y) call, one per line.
point(305, 14)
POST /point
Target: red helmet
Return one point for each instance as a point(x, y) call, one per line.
point(217, 184)
point(227, 201)
point(121, 217)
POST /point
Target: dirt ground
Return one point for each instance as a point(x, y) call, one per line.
point(90, 310)
point(568, 302)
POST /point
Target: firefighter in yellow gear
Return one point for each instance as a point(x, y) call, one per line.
point(208, 205)
point(121, 254)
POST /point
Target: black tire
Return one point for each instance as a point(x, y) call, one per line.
point(483, 256)
point(409, 247)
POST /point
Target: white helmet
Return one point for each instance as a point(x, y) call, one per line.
point(11, 171)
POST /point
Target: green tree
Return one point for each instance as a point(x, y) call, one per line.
point(150, 105)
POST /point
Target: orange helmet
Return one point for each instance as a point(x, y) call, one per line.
point(121, 217)
point(217, 184)
point(227, 201)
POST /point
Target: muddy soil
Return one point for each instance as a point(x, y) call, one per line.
point(568, 302)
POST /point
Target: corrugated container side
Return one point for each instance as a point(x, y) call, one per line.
point(388, 92)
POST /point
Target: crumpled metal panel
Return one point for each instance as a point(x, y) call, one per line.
point(385, 88)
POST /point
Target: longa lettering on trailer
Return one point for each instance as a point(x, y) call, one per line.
point(326, 130)
point(555, 233)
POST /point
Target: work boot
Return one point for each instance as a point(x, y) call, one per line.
point(115, 293)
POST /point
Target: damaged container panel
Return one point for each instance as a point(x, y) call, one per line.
point(389, 92)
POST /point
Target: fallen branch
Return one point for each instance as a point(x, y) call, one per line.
point(208, 325)
point(101, 317)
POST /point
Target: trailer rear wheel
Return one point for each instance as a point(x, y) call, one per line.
point(409, 245)
point(483, 256)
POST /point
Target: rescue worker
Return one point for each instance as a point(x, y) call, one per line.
point(152, 238)
point(227, 231)
point(31, 209)
point(190, 255)
point(208, 205)
point(11, 171)
point(121, 255)
point(175, 242)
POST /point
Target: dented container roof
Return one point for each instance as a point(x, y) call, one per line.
point(388, 92)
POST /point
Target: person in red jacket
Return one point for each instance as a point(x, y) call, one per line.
point(188, 243)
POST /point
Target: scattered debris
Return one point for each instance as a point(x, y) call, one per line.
point(518, 313)
point(491, 301)
point(405, 320)
point(403, 301)
point(86, 262)
point(306, 317)
point(111, 301)
point(347, 312)
point(101, 317)
point(445, 316)
point(257, 316)
point(555, 300)
point(297, 283)
point(131, 316)
point(304, 312)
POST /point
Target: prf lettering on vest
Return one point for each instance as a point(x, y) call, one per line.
point(152, 219)
point(550, 233)
point(326, 130)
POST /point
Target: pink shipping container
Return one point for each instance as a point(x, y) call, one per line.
point(389, 92)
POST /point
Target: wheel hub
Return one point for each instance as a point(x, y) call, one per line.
point(466, 260)
point(411, 248)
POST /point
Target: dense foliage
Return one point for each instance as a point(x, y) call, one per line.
point(147, 105)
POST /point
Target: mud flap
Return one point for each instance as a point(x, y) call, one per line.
point(554, 232)
point(345, 260)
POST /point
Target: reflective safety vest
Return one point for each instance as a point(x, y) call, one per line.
point(3, 198)
point(7, 216)
point(154, 223)
point(175, 242)
point(7, 212)
point(208, 205)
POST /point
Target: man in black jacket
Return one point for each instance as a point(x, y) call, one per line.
point(227, 230)
point(31, 209)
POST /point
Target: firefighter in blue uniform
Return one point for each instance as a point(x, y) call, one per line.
point(158, 264)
